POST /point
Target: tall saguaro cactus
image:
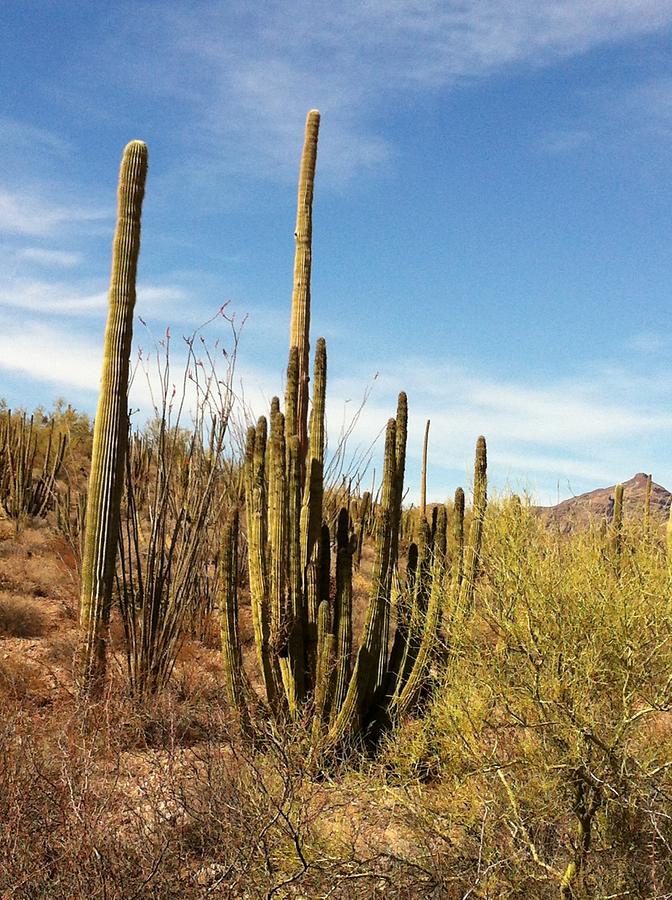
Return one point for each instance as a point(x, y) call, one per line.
point(110, 436)
point(300, 321)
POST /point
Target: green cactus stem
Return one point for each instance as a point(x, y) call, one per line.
point(349, 722)
point(458, 536)
point(423, 478)
point(472, 552)
point(228, 608)
point(110, 436)
point(300, 319)
point(256, 506)
point(343, 610)
point(616, 531)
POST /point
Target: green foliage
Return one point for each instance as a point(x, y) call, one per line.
point(554, 713)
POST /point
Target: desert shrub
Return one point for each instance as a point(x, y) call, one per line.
point(21, 617)
point(552, 725)
point(81, 816)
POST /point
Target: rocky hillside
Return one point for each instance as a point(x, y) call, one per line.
point(578, 512)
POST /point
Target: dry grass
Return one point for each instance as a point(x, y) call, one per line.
point(21, 617)
point(562, 658)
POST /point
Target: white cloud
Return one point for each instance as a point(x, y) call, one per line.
point(25, 213)
point(50, 258)
point(251, 72)
point(593, 429)
point(53, 355)
point(27, 137)
point(74, 299)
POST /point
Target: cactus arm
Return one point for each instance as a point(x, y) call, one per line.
point(342, 611)
point(110, 436)
point(325, 642)
point(232, 662)
point(423, 477)
point(458, 533)
point(616, 535)
point(256, 506)
point(473, 549)
point(364, 677)
point(300, 319)
point(297, 607)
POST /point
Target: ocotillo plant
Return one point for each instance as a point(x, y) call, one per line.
point(176, 489)
point(21, 493)
point(110, 434)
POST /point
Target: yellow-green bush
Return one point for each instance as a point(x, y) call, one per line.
point(552, 717)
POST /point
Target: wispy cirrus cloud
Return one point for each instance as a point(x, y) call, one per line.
point(247, 74)
point(28, 214)
point(62, 259)
point(73, 299)
point(575, 432)
point(22, 136)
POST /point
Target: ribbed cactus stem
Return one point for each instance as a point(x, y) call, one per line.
point(439, 544)
point(311, 513)
point(616, 538)
point(421, 584)
point(291, 394)
point(256, 506)
point(110, 437)
point(423, 479)
point(296, 598)
point(364, 513)
point(300, 320)
point(416, 675)
point(473, 549)
point(367, 666)
point(458, 537)
point(400, 459)
point(278, 535)
point(323, 673)
point(342, 610)
point(232, 662)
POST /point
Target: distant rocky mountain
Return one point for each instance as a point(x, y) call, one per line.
point(578, 512)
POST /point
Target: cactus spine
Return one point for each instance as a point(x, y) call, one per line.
point(110, 435)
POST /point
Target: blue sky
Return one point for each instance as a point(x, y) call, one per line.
point(492, 224)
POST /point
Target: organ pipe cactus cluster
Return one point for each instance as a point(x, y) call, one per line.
point(303, 628)
point(110, 436)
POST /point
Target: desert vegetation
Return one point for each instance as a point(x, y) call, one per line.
point(226, 672)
